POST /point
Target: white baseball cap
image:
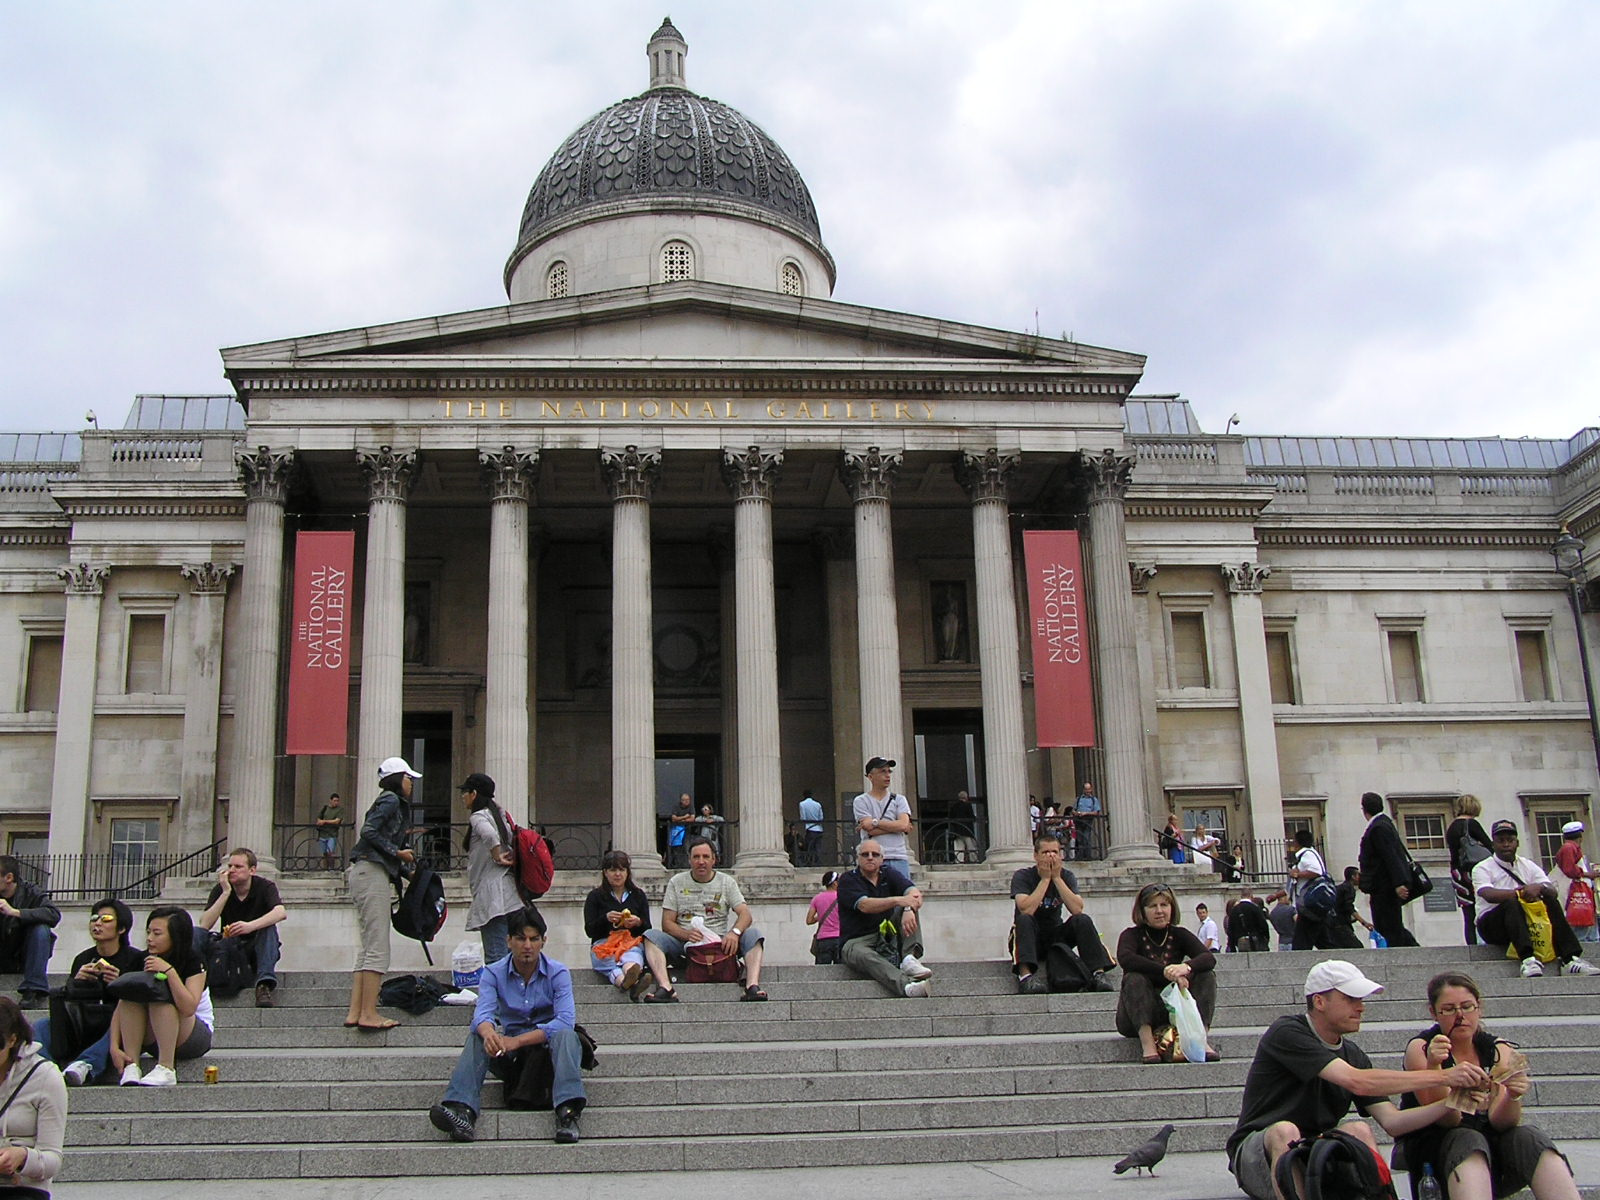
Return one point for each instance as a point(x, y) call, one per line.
point(1572, 827)
point(1338, 975)
point(396, 766)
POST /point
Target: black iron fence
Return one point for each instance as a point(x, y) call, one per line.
point(91, 876)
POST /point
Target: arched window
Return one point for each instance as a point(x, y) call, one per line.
point(555, 281)
point(790, 281)
point(677, 262)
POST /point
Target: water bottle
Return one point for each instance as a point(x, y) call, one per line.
point(1429, 1188)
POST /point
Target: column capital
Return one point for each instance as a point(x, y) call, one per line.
point(207, 578)
point(1245, 577)
point(265, 472)
point(509, 473)
point(1139, 577)
point(751, 473)
point(870, 475)
point(389, 472)
point(986, 476)
point(1109, 475)
point(631, 473)
point(83, 579)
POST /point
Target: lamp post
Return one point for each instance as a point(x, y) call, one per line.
point(1568, 553)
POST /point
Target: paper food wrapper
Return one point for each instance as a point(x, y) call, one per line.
point(1476, 1100)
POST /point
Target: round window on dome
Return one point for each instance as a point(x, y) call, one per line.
point(555, 281)
point(677, 262)
point(790, 281)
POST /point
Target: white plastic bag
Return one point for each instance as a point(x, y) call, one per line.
point(1186, 1020)
point(466, 964)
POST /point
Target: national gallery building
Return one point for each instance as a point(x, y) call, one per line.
point(673, 520)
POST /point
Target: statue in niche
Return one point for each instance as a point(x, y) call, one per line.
point(416, 631)
point(950, 621)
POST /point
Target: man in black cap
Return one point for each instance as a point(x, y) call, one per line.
point(884, 816)
point(1505, 879)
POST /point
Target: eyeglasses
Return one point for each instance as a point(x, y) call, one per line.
point(868, 854)
point(1450, 1010)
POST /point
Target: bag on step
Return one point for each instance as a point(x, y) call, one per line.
point(415, 994)
point(1065, 971)
point(1338, 1166)
point(1540, 935)
point(1186, 1020)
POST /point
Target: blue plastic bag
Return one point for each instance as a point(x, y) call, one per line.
point(1379, 942)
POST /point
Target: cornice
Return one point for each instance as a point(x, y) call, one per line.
point(35, 537)
point(1519, 538)
point(1232, 509)
point(154, 508)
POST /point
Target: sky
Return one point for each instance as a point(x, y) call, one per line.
point(1326, 217)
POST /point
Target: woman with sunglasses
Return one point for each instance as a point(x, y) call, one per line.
point(1490, 1152)
point(1152, 953)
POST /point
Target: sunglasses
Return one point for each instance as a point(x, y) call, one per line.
point(868, 854)
point(99, 917)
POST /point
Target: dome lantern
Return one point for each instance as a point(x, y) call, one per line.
point(667, 50)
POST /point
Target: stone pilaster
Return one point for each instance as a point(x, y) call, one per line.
point(1263, 783)
point(1127, 796)
point(870, 478)
point(631, 475)
point(80, 640)
point(259, 647)
point(197, 790)
point(750, 475)
point(389, 476)
point(510, 475)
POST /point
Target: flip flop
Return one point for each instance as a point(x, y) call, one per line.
point(1151, 1059)
point(662, 996)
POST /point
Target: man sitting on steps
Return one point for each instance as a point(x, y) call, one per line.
point(879, 923)
point(714, 898)
point(1049, 912)
point(250, 910)
point(1502, 881)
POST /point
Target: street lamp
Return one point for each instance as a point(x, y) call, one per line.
point(1568, 553)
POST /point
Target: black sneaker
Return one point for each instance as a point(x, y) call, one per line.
point(567, 1125)
point(456, 1119)
point(30, 999)
point(1033, 985)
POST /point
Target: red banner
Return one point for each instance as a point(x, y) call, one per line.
point(1058, 617)
point(319, 647)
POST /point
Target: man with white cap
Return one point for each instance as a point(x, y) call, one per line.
point(1503, 881)
point(1572, 864)
point(1307, 1073)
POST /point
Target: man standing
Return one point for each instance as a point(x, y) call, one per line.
point(884, 816)
point(328, 822)
point(1207, 931)
point(1385, 873)
point(27, 932)
point(678, 822)
point(250, 909)
point(1503, 881)
point(811, 817)
point(704, 893)
point(964, 828)
point(1571, 862)
point(1307, 1073)
point(1049, 912)
point(1087, 814)
point(878, 924)
point(524, 1002)
point(1311, 932)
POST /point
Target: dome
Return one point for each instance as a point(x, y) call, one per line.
point(668, 149)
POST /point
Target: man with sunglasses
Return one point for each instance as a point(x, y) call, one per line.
point(109, 955)
point(879, 924)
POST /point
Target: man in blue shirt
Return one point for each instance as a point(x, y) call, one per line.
point(524, 1002)
point(811, 818)
point(1087, 814)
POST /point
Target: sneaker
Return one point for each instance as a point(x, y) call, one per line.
point(159, 1076)
point(265, 995)
point(917, 989)
point(32, 999)
point(456, 1119)
point(78, 1073)
point(913, 968)
point(1532, 968)
point(1033, 985)
point(1576, 966)
point(567, 1125)
point(1101, 983)
point(130, 1075)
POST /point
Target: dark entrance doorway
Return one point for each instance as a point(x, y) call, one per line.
point(686, 763)
point(426, 743)
point(948, 744)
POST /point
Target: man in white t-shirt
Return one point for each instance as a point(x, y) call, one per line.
point(1206, 931)
point(884, 816)
point(1504, 879)
point(1310, 933)
point(706, 893)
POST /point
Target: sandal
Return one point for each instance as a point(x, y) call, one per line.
point(1212, 1055)
point(662, 996)
point(752, 993)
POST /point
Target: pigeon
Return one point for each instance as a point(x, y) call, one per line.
point(1146, 1156)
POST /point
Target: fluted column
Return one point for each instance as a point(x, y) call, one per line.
point(510, 474)
point(870, 478)
point(1263, 784)
point(80, 640)
point(999, 660)
point(260, 647)
point(197, 789)
point(750, 474)
point(389, 475)
point(631, 476)
point(1127, 796)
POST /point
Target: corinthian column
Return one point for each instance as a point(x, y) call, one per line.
point(870, 478)
point(69, 781)
point(1127, 797)
point(1005, 754)
point(631, 476)
point(1263, 784)
point(510, 475)
point(383, 613)
point(260, 646)
point(197, 790)
point(750, 474)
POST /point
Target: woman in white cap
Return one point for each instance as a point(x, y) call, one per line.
point(380, 857)
point(1571, 863)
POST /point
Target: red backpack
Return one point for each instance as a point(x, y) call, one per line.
point(535, 867)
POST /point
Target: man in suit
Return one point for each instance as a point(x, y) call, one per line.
point(1385, 873)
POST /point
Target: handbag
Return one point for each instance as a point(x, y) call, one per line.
point(1540, 935)
point(708, 962)
point(1580, 903)
point(1417, 881)
point(140, 987)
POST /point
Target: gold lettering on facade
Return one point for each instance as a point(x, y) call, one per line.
point(477, 408)
point(578, 410)
point(776, 410)
point(729, 410)
point(680, 408)
point(506, 409)
point(827, 410)
point(802, 411)
point(708, 410)
point(649, 408)
point(902, 411)
point(687, 410)
point(877, 411)
point(928, 409)
point(549, 408)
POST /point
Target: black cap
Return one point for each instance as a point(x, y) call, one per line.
point(478, 782)
point(874, 763)
point(1500, 827)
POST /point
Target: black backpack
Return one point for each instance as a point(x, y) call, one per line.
point(420, 911)
point(1338, 1166)
point(1065, 971)
point(228, 967)
point(415, 994)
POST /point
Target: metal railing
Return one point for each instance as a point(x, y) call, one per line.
point(91, 876)
point(723, 834)
point(300, 848)
point(1263, 860)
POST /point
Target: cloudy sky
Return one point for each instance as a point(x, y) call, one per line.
point(1365, 218)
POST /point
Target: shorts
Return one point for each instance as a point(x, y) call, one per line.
point(1251, 1169)
point(1513, 1155)
point(673, 948)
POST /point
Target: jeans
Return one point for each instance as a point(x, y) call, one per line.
point(496, 938)
point(97, 1055)
point(811, 856)
point(31, 956)
point(566, 1055)
point(899, 864)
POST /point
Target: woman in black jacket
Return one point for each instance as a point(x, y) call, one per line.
point(379, 859)
point(1469, 845)
point(615, 916)
point(1152, 953)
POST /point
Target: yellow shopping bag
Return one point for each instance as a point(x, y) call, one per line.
point(1539, 931)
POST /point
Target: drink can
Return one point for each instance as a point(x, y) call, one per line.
point(211, 1074)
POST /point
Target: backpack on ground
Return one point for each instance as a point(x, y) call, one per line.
point(1337, 1166)
point(415, 994)
point(419, 910)
point(228, 967)
point(535, 867)
point(1318, 899)
point(1065, 971)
